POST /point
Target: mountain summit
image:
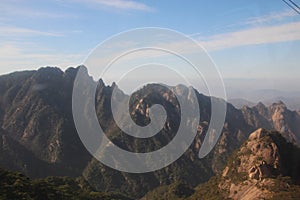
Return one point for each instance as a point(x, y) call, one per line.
point(38, 136)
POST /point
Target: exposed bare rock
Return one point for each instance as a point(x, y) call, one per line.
point(252, 171)
point(275, 117)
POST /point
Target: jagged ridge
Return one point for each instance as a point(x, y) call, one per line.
point(36, 118)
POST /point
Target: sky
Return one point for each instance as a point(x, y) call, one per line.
point(254, 44)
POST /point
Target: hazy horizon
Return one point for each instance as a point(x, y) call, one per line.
point(247, 90)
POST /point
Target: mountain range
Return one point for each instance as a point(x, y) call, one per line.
point(248, 97)
point(38, 138)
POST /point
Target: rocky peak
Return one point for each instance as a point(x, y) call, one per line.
point(258, 134)
point(259, 157)
point(262, 109)
point(275, 117)
point(36, 113)
point(278, 107)
point(253, 169)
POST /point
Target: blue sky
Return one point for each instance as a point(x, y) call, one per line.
point(250, 41)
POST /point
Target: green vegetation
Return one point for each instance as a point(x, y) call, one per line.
point(176, 191)
point(17, 186)
point(283, 188)
point(209, 191)
point(233, 163)
point(182, 191)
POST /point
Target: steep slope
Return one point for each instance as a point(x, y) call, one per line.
point(38, 136)
point(189, 168)
point(266, 166)
point(275, 117)
point(106, 179)
point(36, 115)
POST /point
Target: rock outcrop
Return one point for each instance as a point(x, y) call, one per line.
point(254, 169)
point(275, 117)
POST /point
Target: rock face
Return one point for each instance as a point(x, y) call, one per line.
point(252, 171)
point(38, 136)
point(259, 156)
point(266, 166)
point(275, 117)
point(36, 117)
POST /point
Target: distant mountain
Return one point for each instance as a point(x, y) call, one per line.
point(239, 103)
point(38, 136)
point(240, 98)
point(293, 103)
point(275, 117)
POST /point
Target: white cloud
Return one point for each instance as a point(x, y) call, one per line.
point(12, 31)
point(17, 56)
point(12, 8)
point(119, 4)
point(271, 17)
point(253, 36)
point(266, 29)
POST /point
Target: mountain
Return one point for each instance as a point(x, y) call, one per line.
point(36, 118)
point(293, 103)
point(266, 96)
point(38, 135)
point(239, 102)
point(266, 166)
point(275, 117)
